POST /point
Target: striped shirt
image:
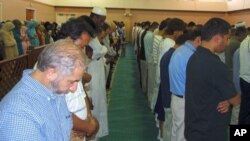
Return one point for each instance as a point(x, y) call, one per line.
point(164, 46)
point(155, 52)
point(148, 45)
point(31, 112)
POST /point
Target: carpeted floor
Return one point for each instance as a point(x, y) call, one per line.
point(130, 119)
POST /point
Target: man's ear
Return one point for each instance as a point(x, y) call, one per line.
point(176, 33)
point(85, 37)
point(51, 74)
point(217, 38)
point(197, 40)
point(83, 40)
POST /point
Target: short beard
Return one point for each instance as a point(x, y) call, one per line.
point(55, 85)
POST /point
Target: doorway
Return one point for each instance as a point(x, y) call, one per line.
point(30, 14)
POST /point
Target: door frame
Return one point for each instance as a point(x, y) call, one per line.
point(1, 11)
point(34, 14)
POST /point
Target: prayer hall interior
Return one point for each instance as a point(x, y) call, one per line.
point(122, 79)
point(129, 11)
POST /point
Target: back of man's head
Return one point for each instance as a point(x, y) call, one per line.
point(163, 24)
point(89, 24)
point(74, 28)
point(191, 25)
point(154, 25)
point(194, 33)
point(146, 24)
point(240, 31)
point(181, 39)
point(214, 26)
point(175, 24)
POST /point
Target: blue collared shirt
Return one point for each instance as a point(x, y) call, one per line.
point(31, 112)
point(177, 68)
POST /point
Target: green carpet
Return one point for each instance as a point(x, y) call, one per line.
point(129, 117)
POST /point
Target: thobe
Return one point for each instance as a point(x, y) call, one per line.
point(97, 86)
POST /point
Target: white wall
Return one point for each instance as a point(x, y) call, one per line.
point(149, 4)
point(49, 2)
point(193, 5)
point(238, 5)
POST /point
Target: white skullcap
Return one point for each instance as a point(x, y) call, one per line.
point(99, 11)
point(240, 24)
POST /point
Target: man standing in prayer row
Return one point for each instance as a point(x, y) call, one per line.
point(96, 69)
point(80, 31)
point(232, 56)
point(177, 79)
point(174, 29)
point(164, 96)
point(207, 84)
point(148, 43)
point(35, 109)
point(244, 116)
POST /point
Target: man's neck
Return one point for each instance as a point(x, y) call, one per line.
point(208, 45)
point(39, 76)
point(151, 29)
point(195, 45)
point(160, 32)
point(170, 37)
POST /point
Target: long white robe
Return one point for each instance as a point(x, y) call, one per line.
point(111, 52)
point(152, 68)
point(148, 43)
point(97, 86)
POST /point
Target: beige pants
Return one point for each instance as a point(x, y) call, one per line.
point(167, 128)
point(150, 87)
point(178, 112)
point(235, 115)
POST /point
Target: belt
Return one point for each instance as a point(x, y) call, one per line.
point(180, 96)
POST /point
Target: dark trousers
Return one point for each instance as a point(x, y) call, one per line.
point(159, 109)
point(109, 75)
point(244, 115)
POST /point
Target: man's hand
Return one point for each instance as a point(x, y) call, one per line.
point(94, 122)
point(89, 125)
point(223, 106)
point(86, 77)
point(78, 134)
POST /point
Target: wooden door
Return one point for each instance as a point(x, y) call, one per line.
point(29, 14)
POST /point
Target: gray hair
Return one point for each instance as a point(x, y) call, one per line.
point(62, 55)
